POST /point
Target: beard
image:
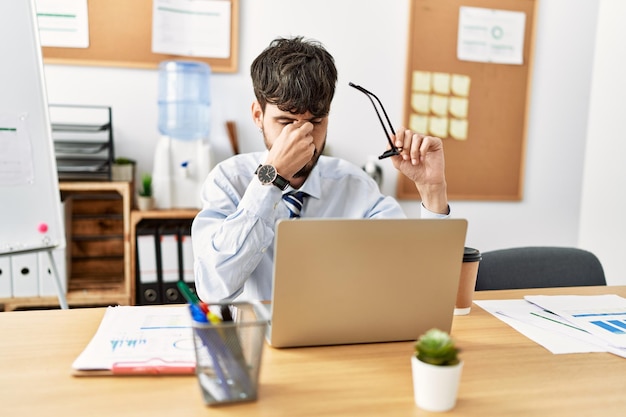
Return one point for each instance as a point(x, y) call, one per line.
point(306, 170)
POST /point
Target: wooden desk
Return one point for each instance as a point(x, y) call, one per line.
point(505, 374)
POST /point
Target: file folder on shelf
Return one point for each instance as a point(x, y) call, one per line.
point(6, 284)
point(25, 275)
point(47, 285)
point(186, 255)
point(148, 286)
point(164, 256)
point(169, 270)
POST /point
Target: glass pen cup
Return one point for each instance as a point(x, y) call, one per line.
point(229, 351)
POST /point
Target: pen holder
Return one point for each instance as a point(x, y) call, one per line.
point(228, 353)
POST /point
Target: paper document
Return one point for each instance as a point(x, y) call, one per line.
point(567, 323)
point(63, 23)
point(529, 320)
point(490, 35)
point(192, 28)
point(603, 316)
point(141, 340)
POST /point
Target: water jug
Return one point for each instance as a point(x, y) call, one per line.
point(184, 100)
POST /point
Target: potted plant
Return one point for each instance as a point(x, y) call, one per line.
point(123, 169)
point(436, 371)
point(145, 201)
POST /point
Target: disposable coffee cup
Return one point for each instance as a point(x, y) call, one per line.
point(467, 282)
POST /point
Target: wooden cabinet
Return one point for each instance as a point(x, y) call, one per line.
point(98, 246)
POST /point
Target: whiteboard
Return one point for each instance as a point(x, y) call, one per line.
point(30, 201)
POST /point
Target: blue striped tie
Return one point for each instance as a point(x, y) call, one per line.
point(294, 202)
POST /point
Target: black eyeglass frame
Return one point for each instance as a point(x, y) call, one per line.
point(394, 150)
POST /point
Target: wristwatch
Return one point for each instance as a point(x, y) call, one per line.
point(267, 175)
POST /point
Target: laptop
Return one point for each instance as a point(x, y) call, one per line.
point(348, 281)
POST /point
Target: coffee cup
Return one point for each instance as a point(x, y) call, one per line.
point(467, 281)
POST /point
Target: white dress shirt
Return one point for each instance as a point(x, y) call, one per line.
point(233, 235)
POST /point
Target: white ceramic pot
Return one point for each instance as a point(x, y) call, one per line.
point(145, 203)
point(122, 172)
point(435, 387)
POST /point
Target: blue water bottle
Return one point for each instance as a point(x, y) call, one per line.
point(184, 100)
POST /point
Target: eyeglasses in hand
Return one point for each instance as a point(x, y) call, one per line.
point(394, 150)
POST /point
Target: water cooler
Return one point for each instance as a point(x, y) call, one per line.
point(182, 158)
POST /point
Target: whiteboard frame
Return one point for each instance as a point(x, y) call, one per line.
point(29, 207)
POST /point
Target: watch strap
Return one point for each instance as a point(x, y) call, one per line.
point(280, 182)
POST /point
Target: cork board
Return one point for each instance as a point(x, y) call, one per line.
point(487, 163)
point(120, 35)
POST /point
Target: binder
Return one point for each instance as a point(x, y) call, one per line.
point(147, 285)
point(169, 270)
point(47, 286)
point(25, 275)
point(6, 286)
point(186, 255)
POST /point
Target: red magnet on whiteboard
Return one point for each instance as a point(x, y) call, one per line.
point(43, 228)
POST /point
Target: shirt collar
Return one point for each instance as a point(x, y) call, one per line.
point(313, 184)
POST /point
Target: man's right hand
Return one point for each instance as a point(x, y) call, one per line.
point(292, 149)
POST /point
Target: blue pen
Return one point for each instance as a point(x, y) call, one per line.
point(204, 334)
point(197, 314)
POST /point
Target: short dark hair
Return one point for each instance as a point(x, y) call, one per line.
point(295, 74)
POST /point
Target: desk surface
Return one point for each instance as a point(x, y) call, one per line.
point(505, 374)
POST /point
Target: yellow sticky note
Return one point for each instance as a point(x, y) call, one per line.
point(441, 83)
point(418, 123)
point(460, 85)
point(438, 126)
point(439, 105)
point(458, 107)
point(421, 81)
point(420, 102)
point(458, 129)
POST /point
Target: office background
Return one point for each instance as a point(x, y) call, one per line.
point(573, 181)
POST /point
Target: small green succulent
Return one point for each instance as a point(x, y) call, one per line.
point(436, 347)
point(146, 183)
point(124, 161)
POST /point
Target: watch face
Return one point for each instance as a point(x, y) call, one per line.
point(266, 174)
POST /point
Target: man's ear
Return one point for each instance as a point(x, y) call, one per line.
point(257, 114)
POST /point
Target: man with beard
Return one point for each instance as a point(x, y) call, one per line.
point(233, 235)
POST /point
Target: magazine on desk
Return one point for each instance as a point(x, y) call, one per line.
point(140, 340)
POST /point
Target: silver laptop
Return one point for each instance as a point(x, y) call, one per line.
point(345, 281)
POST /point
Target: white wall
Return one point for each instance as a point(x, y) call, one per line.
point(369, 41)
point(602, 221)
point(549, 211)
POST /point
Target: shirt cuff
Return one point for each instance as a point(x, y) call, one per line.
point(427, 214)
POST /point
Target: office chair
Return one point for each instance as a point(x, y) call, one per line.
point(538, 267)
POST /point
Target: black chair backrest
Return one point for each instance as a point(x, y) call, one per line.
point(538, 267)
